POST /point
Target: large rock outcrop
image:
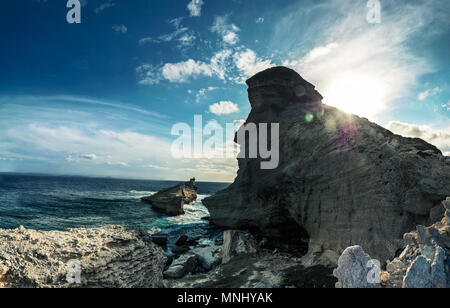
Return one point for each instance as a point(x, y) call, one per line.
point(171, 200)
point(109, 257)
point(341, 179)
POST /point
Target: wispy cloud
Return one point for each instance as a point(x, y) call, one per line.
point(348, 45)
point(195, 8)
point(428, 93)
point(120, 28)
point(228, 31)
point(104, 6)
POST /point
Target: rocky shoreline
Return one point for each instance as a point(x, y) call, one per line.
point(113, 257)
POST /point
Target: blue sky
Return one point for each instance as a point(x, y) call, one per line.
point(100, 98)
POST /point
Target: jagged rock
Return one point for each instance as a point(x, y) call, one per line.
point(341, 180)
point(419, 274)
point(108, 257)
point(171, 200)
point(354, 269)
point(237, 243)
point(425, 259)
point(208, 257)
point(182, 266)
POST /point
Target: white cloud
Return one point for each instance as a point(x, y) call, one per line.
point(439, 138)
point(120, 28)
point(148, 74)
point(228, 32)
point(428, 93)
point(350, 48)
point(88, 156)
point(248, 63)
point(260, 20)
point(181, 72)
point(181, 34)
point(224, 107)
point(195, 8)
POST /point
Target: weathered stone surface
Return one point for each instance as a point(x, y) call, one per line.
point(208, 257)
point(108, 256)
point(354, 269)
point(425, 259)
point(341, 179)
point(182, 266)
point(237, 243)
point(171, 200)
point(418, 275)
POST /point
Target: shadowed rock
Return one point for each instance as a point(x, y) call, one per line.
point(342, 180)
point(171, 200)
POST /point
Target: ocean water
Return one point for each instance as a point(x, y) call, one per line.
point(60, 203)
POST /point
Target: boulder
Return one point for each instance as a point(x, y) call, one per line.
point(341, 180)
point(355, 270)
point(110, 257)
point(171, 201)
point(208, 257)
point(237, 243)
point(160, 240)
point(182, 266)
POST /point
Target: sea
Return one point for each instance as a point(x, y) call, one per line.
point(43, 202)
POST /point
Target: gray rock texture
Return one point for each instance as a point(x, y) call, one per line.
point(110, 257)
point(171, 200)
point(355, 271)
point(237, 243)
point(341, 179)
point(425, 261)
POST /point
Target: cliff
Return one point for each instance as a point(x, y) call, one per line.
point(341, 181)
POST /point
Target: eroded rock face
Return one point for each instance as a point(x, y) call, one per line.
point(425, 261)
point(237, 243)
point(342, 179)
point(171, 200)
point(108, 257)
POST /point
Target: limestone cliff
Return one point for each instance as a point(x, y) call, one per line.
point(341, 179)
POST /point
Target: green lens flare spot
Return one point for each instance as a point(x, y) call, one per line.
point(309, 117)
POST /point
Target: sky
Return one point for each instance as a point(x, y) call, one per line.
point(100, 98)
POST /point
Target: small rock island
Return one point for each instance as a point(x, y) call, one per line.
point(171, 200)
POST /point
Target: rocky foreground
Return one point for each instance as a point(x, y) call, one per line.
point(341, 181)
point(108, 257)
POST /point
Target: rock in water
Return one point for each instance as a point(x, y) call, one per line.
point(341, 179)
point(109, 257)
point(171, 200)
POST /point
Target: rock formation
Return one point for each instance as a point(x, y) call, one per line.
point(354, 270)
point(171, 200)
point(342, 180)
point(423, 263)
point(425, 260)
point(109, 257)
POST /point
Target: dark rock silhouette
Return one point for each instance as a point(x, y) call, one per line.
point(342, 180)
point(171, 200)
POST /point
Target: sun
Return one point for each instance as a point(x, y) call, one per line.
point(358, 94)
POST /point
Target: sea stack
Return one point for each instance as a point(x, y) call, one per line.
point(171, 200)
point(341, 181)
